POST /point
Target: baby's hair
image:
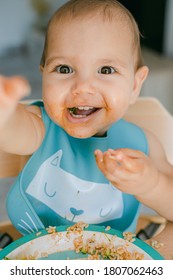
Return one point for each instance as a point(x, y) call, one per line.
point(107, 9)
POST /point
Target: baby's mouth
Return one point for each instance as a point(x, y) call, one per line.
point(82, 111)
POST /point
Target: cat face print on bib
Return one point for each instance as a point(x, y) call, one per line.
point(73, 198)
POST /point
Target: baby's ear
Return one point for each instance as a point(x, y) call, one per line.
point(140, 76)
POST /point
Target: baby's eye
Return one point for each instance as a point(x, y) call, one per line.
point(64, 69)
point(106, 70)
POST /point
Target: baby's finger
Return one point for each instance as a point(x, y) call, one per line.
point(110, 162)
point(115, 172)
point(106, 165)
point(112, 171)
point(99, 157)
point(132, 164)
point(14, 87)
point(128, 152)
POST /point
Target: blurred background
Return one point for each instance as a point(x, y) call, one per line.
point(22, 28)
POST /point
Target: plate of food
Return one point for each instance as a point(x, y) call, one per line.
point(79, 241)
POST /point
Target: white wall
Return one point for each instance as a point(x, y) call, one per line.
point(16, 20)
point(16, 17)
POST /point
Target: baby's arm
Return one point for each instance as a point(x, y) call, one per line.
point(21, 128)
point(148, 178)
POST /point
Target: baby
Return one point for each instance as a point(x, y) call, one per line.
point(87, 163)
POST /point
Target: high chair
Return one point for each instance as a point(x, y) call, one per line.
point(150, 114)
point(146, 112)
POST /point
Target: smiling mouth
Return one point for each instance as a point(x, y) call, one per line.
point(82, 111)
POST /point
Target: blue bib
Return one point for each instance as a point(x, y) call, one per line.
point(61, 183)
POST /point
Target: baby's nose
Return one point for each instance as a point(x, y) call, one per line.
point(83, 86)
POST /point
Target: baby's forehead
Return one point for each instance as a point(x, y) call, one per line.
point(91, 24)
point(114, 17)
point(87, 21)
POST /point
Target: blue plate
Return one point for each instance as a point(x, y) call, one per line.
point(60, 246)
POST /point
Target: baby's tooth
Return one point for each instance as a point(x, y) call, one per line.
point(88, 108)
point(79, 116)
point(85, 108)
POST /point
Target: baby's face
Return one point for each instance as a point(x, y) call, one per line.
point(89, 78)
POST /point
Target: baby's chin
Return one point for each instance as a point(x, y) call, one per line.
point(80, 134)
point(84, 133)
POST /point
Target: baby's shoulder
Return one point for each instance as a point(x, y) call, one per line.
point(36, 110)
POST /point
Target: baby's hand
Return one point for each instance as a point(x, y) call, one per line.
point(12, 89)
point(129, 170)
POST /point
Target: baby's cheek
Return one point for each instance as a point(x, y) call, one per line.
point(53, 111)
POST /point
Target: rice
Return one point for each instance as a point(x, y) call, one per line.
point(51, 229)
point(129, 236)
point(103, 251)
point(96, 250)
point(77, 228)
point(156, 244)
point(106, 250)
point(107, 228)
